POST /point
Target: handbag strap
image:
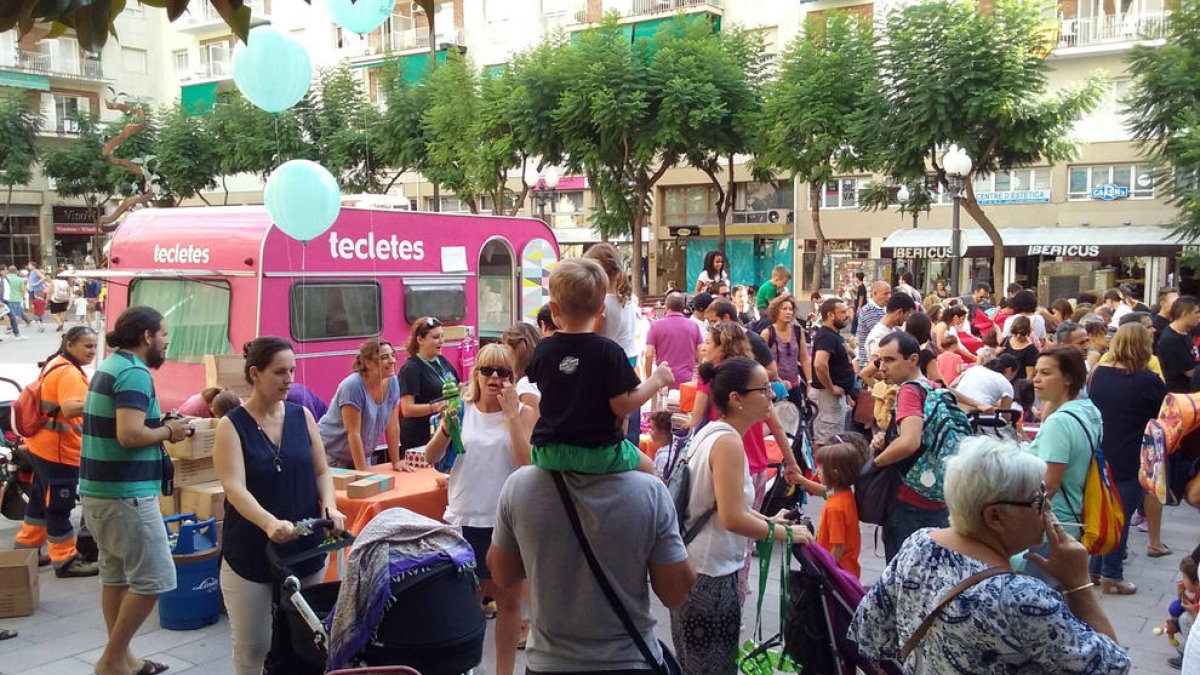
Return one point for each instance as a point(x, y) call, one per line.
point(1094, 446)
point(963, 585)
point(602, 579)
point(765, 550)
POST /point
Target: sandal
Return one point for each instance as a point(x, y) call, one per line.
point(7, 634)
point(152, 668)
point(1120, 587)
point(1158, 551)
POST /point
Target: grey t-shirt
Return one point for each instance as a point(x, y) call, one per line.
point(630, 522)
point(353, 391)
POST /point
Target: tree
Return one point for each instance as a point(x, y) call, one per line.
point(401, 137)
point(341, 127)
point(711, 85)
point(18, 143)
point(954, 73)
point(448, 120)
point(79, 170)
point(1163, 107)
point(187, 160)
point(248, 139)
point(813, 119)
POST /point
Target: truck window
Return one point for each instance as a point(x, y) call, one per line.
point(197, 314)
point(330, 310)
point(444, 300)
point(496, 276)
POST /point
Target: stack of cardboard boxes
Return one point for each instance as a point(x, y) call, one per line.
point(197, 489)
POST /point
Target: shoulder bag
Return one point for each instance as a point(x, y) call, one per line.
point(669, 665)
point(963, 585)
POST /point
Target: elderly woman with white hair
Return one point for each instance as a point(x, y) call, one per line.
point(951, 602)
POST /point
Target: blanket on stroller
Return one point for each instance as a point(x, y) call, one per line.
point(396, 543)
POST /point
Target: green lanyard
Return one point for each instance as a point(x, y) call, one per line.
point(438, 371)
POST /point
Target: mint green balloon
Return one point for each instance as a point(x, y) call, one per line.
point(303, 199)
point(361, 16)
point(272, 70)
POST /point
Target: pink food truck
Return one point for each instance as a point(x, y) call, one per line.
point(225, 275)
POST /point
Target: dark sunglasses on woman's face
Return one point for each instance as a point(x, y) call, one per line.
point(488, 371)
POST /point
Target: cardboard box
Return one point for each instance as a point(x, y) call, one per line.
point(206, 500)
point(344, 477)
point(168, 505)
point(197, 446)
point(190, 472)
point(416, 458)
point(389, 482)
point(18, 582)
point(226, 371)
point(364, 488)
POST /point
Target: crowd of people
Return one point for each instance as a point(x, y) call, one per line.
point(552, 492)
point(29, 294)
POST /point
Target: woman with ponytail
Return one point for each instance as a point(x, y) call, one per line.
point(55, 451)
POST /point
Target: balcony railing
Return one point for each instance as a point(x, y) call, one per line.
point(68, 126)
point(412, 38)
point(1112, 28)
point(658, 6)
point(42, 62)
point(204, 14)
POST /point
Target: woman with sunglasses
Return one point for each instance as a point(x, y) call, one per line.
point(705, 629)
point(496, 442)
point(1005, 623)
point(423, 381)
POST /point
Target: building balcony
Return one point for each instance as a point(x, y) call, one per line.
point(398, 42)
point(210, 72)
point(52, 65)
point(639, 8)
point(202, 18)
point(1112, 29)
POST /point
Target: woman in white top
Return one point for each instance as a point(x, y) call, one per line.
point(619, 322)
point(521, 339)
point(705, 629)
point(495, 443)
point(715, 270)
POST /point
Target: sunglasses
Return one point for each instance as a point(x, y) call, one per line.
point(432, 322)
point(1038, 502)
point(488, 371)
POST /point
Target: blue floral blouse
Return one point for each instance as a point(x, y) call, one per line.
point(1010, 623)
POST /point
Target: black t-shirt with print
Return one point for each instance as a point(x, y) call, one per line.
point(577, 373)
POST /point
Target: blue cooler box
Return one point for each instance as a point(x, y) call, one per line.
point(196, 600)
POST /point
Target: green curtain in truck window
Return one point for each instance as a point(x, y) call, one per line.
point(197, 315)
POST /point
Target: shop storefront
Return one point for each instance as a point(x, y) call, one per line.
point(1057, 262)
point(74, 234)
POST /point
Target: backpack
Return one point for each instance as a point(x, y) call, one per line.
point(1153, 467)
point(680, 487)
point(29, 416)
point(1103, 517)
point(946, 425)
point(773, 338)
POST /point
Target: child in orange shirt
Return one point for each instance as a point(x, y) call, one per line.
point(838, 466)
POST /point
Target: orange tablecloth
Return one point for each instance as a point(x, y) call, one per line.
point(414, 491)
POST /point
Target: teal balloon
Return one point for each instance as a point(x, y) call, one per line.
point(272, 70)
point(303, 199)
point(361, 16)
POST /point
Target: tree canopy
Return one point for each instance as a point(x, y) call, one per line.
point(18, 141)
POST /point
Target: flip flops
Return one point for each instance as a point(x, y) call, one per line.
point(1158, 551)
point(152, 668)
point(7, 634)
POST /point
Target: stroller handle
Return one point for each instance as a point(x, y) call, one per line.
point(993, 418)
point(281, 566)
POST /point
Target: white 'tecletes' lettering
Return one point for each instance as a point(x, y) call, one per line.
point(370, 248)
point(193, 255)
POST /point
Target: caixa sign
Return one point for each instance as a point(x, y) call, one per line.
point(921, 252)
point(1110, 192)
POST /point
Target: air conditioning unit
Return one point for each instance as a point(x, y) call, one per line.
point(776, 216)
point(414, 8)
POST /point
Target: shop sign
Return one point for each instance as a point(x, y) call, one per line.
point(73, 220)
point(1110, 191)
point(1080, 250)
point(1013, 197)
point(921, 252)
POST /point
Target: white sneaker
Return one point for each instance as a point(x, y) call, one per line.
point(21, 337)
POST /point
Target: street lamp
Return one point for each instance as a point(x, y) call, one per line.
point(902, 195)
point(544, 187)
point(957, 164)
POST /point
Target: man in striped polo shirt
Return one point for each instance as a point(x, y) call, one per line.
point(120, 477)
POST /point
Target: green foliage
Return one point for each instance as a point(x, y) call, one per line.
point(18, 138)
point(448, 121)
point(248, 139)
point(953, 74)
point(186, 157)
point(341, 126)
point(1163, 107)
point(401, 140)
point(79, 170)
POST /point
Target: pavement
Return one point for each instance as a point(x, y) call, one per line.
point(66, 635)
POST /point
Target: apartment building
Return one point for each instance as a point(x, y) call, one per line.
point(64, 82)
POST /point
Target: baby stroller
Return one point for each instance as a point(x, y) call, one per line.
point(822, 604)
point(16, 467)
point(1000, 423)
point(797, 421)
point(432, 624)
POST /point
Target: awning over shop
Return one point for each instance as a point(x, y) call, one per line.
point(1081, 242)
point(13, 78)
